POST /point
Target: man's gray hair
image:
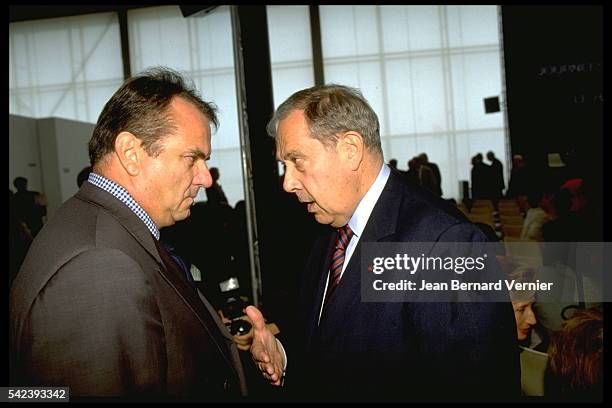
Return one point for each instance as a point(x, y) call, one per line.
point(330, 110)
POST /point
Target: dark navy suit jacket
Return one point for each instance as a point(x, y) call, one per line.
point(400, 351)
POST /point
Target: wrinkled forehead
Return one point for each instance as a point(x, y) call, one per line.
point(288, 148)
point(292, 133)
point(280, 146)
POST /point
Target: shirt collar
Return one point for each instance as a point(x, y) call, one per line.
point(122, 195)
point(361, 215)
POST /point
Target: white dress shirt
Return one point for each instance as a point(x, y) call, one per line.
point(360, 218)
point(357, 223)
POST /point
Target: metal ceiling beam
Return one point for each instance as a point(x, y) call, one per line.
point(36, 12)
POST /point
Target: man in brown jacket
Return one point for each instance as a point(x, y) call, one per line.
point(99, 305)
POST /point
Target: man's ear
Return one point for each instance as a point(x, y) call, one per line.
point(352, 147)
point(128, 151)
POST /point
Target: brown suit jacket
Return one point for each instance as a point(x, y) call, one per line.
point(94, 308)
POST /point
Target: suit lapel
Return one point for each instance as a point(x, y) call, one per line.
point(381, 226)
point(205, 314)
point(319, 284)
point(135, 227)
point(196, 302)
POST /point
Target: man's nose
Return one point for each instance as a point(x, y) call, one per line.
point(203, 177)
point(290, 184)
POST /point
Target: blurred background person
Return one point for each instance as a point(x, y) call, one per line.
point(542, 210)
point(497, 178)
point(437, 185)
point(519, 181)
point(412, 173)
point(422, 174)
point(479, 178)
point(20, 239)
point(533, 358)
point(29, 207)
point(214, 193)
point(575, 371)
point(522, 300)
point(393, 164)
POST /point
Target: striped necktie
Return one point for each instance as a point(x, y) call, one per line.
point(344, 237)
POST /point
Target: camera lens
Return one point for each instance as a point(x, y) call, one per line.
point(239, 327)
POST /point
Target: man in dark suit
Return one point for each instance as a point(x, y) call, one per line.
point(497, 177)
point(99, 305)
point(480, 179)
point(349, 349)
point(436, 172)
point(29, 206)
point(215, 194)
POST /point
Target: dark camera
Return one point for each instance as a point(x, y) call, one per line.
point(233, 307)
point(239, 327)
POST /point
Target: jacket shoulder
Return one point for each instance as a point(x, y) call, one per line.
point(428, 218)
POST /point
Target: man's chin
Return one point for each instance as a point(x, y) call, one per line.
point(186, 205)
point(323, 218)
point(181, 214)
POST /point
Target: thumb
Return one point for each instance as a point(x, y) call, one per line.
point(256, 317)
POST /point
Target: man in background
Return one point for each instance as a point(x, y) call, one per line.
point(214, 193)
point(436, 172)
point(30, 207)
point(497, 178)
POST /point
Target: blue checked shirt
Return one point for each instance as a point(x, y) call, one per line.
point(122, 195)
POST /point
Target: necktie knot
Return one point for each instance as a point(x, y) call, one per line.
point(344, 237)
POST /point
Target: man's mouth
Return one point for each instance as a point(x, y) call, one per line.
point(308, 203)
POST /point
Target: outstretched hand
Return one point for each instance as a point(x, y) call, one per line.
point(265, 350)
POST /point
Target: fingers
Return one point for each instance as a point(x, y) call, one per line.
point(271, 373)
point(259, 353)
point(243, 347)
point(256, 317)
point(274, 378)
point(264, 350)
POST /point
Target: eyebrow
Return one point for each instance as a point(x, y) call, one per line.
point(292, 155)
point(198, 153)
